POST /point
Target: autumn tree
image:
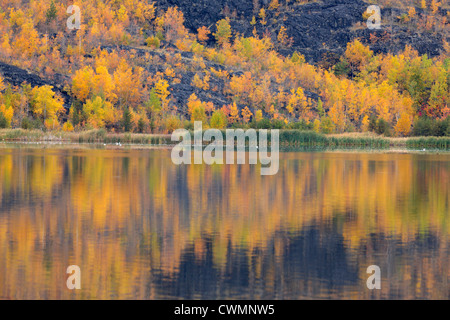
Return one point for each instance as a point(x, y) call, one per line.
point(218, 120)
point(357, 55)
point(232, 113)
point(283, 38)
point(246, 114)
point(411, 13)
point(201, 83)
point(103, 84)
point(174, 24)
point(5, 46)
point(27, 42)
point(127, 84)
point(196, 109)
point(423, 4)
point(98, 111)
point(223, 33)
point(262, 16)
point(6, 115)
point(2, 84)
point(435, 6)
point(298, 103)
point(203, 34)
point(144, 11)
point(274, 5)
point(162, 92)
point(403, 126)
point(82, 83)
point(45, 104)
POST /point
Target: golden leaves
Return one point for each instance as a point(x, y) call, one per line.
point(45, 103)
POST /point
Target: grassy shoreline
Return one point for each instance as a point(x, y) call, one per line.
point(288, 138)
point(91, 136)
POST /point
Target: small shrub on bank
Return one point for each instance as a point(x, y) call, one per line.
point(425, 127)
point(153, 42)
point(3, 121)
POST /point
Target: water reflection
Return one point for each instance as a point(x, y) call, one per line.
point(140, 227)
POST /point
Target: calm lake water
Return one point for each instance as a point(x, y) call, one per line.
point(140, 227)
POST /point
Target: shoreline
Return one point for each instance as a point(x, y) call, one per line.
point(288, 139)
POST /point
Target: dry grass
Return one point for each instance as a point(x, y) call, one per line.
point(288, 138)
point(393, 141)
point(91, 136)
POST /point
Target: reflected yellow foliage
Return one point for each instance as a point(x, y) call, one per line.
point(127, 217)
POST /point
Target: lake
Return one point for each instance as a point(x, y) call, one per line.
point(140, 227)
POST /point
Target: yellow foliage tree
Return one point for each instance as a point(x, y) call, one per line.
point(282, 37)
point(127, 84)
point(27, 42)
point(197, 109)
point(223, 33)
point(2, 85)
point(258, 115)
point(98, 111)
point(8, 113)
point(162, 91)
point(274, 5)
point(297, 102)
point(403, 126)
point(423, 4)
point(233, 115)
point(103, 84)
point(262, 16)
point(358, 55)
point(82, 83)
point(435, 6)
point(45, 103)
point(411, 12)
point(246, 114)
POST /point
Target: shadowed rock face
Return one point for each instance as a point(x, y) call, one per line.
point(310, 25)
point(317, 28)
point(16, 76)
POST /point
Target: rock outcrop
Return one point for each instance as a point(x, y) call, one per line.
point(317, 28)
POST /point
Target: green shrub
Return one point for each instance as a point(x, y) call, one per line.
point(141, 125)
point(301, 125)
point(3, 121)
point(327, 125)
point(153, 42)
point(372, 123)
point(278, 124)
point(342, 68)
point(261, 124)
point(188, 125)
point(218, 120)
point(26, 123)
point(383, 127)
point(424, 127)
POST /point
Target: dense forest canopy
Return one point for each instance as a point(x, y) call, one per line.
point(147, 66)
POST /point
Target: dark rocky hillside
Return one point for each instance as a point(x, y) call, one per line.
point(17, 76)
point(317, 28)
point(181, 92)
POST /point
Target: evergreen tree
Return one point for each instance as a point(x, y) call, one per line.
point(126, 120)
point(51, 12)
